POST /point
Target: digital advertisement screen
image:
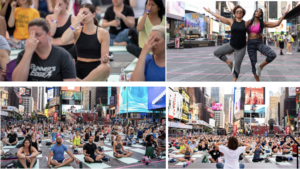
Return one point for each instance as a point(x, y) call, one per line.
point(71, 88)
point(237, 100)
point(176, 8)
point(176, 107)
point(217, 106)
point(133, 99)
point(50, 93)
point(216, 27)
point(23, 91)
point(185, 105)
point(71, 108)
point(192, 20)
point(156, 97)
point(68, 95)
point(255, 95)
point(257, 111)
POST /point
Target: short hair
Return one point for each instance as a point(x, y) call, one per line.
point(160, 28)
point(40, 22)
point(28, 2)
point(233, 143)
point(238, 6)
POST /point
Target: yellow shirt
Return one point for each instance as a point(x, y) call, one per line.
point(22, 19)
point(144, 35)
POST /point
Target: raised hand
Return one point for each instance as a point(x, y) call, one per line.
point(31, 43)
point(286, 11)
point(207, 10)
point(80, 17)
point(150, 43)
point(57, 9)
point(13, 4)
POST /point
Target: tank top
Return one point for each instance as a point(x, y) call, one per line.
point(119, 146)
point(255, 30)
point(238, 34)
point(88, 46)
point(96, 138)
point(187, 153)
point(77, 140)
point(60, 30)
point(34, 144)
point(279, 153)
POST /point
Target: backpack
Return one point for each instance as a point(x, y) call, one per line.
point(100, 149)
point(48, 143)
point(205, 159)
point(9, 156)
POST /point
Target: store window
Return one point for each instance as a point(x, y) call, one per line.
point(190, 116)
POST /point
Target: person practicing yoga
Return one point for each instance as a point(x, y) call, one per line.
point(237, 42)
point(255, 42)
point(118, 147)
point(27, 155)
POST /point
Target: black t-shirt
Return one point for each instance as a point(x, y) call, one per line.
point(87, 136)
point(110, 16)
point(58, 66)
point(90, 149)
point(149, 144)
point(215, 154)
point(12, 137)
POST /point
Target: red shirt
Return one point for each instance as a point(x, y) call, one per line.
point(294, 148)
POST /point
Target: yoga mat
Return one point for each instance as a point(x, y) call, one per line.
point(179, 155)
point(91, 165)
point(64, 167)
point(136, 145)
point(126, 147)
point(127, 160)
point(106, 148)
point(5, 150)
point(113, 78)
point(117, 49)
point(139, 151)
point(131, 66)
point(279, 163)
point(15, 52)
point(37, 165)
point(197, 155)
point(181, 163)
point(9, 146)
point(40, 155)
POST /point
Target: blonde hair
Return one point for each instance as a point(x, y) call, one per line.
point(159, 28)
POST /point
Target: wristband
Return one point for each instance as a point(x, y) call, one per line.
point(72, 28)
point(147, 11)
point(212, 13)
point(55, 21)
point(284, 14)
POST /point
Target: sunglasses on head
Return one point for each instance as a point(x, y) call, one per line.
point(238, 11)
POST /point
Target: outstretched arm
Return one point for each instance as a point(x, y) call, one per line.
point(275, 24)
point(222, 19)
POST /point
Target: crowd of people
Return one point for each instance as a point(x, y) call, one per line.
point(54, 35)
point(233, 148)
point(90, 137)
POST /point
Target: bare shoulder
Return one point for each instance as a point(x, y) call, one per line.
point(102, 31)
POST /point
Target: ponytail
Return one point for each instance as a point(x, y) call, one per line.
point(96, 22)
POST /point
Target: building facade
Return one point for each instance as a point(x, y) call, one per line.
point(28, 104)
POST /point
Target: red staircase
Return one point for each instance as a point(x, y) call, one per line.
point(260, 130)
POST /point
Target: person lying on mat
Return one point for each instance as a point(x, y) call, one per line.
point(57, 151)
point(12, 138)
point(77, 140)
point(89, 150)
point(27, 155)
point(118, 147)
point(152, 67)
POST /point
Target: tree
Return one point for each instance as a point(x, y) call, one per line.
point(47, 105)
point(234, 119)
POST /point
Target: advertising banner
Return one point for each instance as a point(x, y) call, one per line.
point(21, 109)
point(217, 106)
point(71, 108)
point(118, 101)
point(237, 100)
point(71, 88)
point(108, 117)
point(156, 97)
point(133, 99)
point(287, 130)
point(55, 114)
point(50, 93)
point(176, 8)
point(112, 100)
point(52, 102)
point(23, 91)
point(185, 105)
point(69, 95)
point(298, 101)
point(177, 43)
point(216, 27)
point(46, 112)
point(170, 104)
point(234, 127)
point(194, 21)
point(292, 91)
point(257, 111)
point(254, 96)
point(177, 105)
point(108, 95)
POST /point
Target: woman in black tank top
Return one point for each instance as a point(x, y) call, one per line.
point(59, 22)
point(91, 43)
point(237, 42)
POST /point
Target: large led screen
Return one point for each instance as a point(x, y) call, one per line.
point(133, 99)
point(254, 96)
point(156, 97)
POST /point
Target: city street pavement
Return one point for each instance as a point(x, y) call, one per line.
point(247, 161)
point(123, 163)
point(199, 64)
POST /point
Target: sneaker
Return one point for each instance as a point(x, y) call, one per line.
point(291, 53)
point(231, 67)
point(287, 53)
point(281, 53)
point(258, 69)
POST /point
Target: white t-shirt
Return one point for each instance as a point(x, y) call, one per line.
point(232, 156)
point(71, 136)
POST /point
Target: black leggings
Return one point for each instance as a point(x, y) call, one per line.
point(255, 45)
point(84, 68)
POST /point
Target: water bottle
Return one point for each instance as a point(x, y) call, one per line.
point(80, 164)
point(119, 26)
point(147, 161)
point(122, 75)
point(184, 164)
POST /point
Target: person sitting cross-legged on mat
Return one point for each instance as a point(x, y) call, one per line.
point(118, 147)
point(257, 152)
point(12, 138)
point(215, 154)
point(27, 155)
point(77, 140)
point(89, 150)
point(187, 154)
point(57, 151)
